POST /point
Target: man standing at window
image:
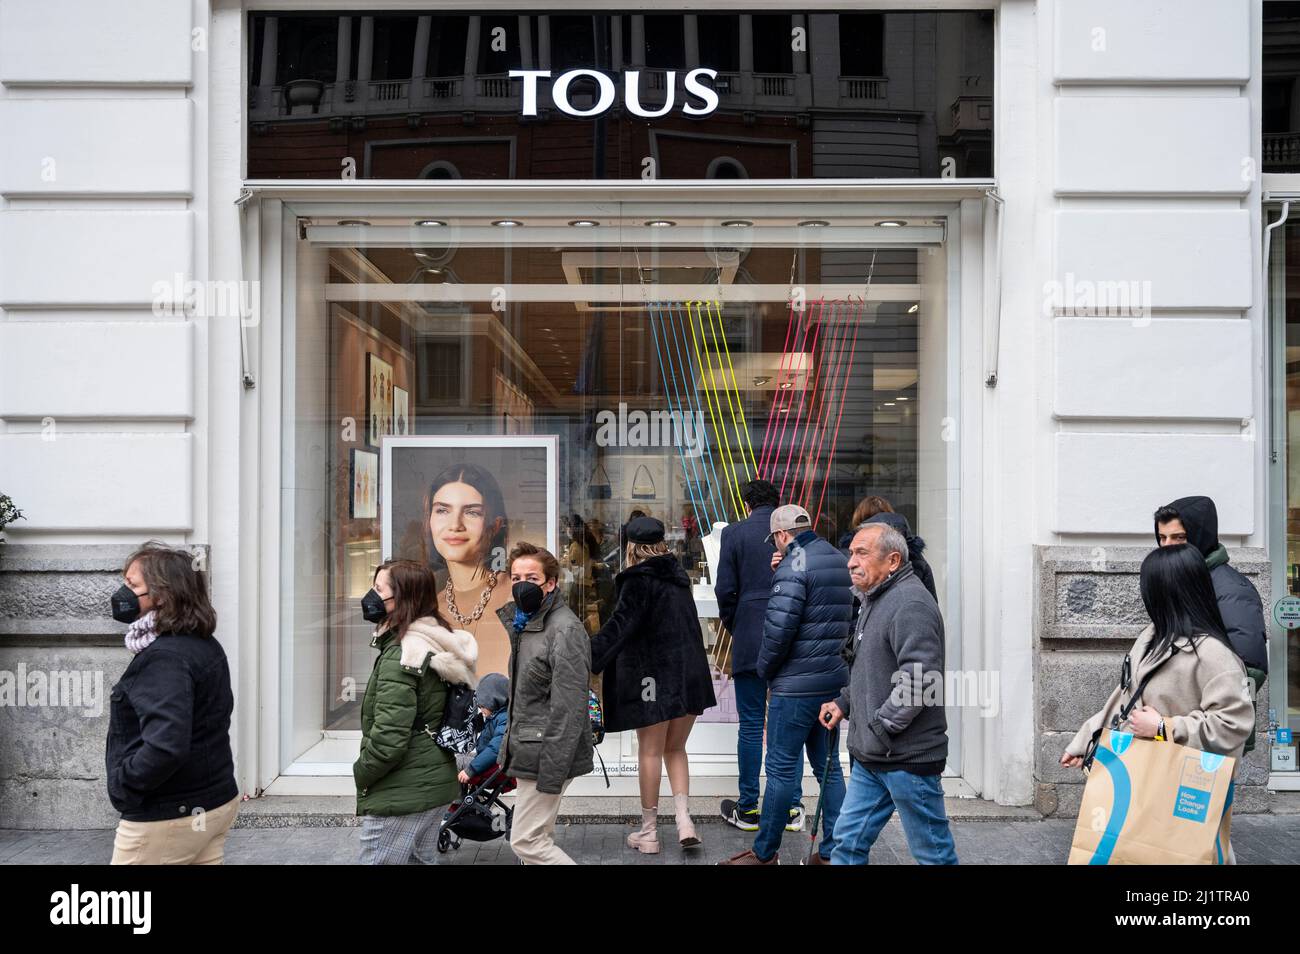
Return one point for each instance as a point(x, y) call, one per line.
point(743, 584)
point(808, 614)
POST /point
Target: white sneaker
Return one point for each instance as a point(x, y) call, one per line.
point(796, 819)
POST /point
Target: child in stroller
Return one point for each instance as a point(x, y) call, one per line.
point(481, 815)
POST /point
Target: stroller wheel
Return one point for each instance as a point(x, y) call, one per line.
point(444, 841)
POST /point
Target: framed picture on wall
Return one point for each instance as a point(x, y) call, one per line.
point(516, 474)
point(401, 413)
point(365, 485)
point(459, 504)
point(379, 398)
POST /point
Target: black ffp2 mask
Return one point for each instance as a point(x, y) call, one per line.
point(126, 605)
point(528, 596)
point(372, 608)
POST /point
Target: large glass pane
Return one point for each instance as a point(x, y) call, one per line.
point(668, 354)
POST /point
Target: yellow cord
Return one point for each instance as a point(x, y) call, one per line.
point(735, 406)
point(728, 464)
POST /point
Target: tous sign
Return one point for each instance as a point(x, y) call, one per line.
point(631, 92)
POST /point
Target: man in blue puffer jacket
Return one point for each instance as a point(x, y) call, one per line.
point(808, 616)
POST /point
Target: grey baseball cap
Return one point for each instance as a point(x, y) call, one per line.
point(790, 517)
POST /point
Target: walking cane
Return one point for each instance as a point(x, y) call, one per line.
point(832, 753)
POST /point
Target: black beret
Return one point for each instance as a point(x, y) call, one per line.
point(645, 530)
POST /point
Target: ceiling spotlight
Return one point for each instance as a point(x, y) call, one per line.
point(890, 223)
point(584, 223)
point(912, 310)
point(787, 385)
point(353, 222)
point(660, 223)
point(784, 410)
point(889, 404)
point(813, 223)
point(507, 223)
point(430, 223)
point(900, 398)
point(761, 380)
point(738, 224)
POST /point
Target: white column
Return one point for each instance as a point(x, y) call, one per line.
point(365, 51)
point(747, 46)
point(471, 51)
point(420, 58)
point(544, 43)
point(615, 43)
point(800, 64)
point(637, 54)
point(270, 48)
point(692, 38)
point(343, 71)
point(525, 44)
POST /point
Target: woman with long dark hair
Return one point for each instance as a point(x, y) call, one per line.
point(168, 755)
point(1197, 694)
point(404, 779)
point(465, 529)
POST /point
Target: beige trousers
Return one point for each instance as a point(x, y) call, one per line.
point(188, 840)
point(532, 829)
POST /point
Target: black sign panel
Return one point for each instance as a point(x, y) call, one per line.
point(621, 95)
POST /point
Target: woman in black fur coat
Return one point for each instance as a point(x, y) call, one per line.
point(657, 677)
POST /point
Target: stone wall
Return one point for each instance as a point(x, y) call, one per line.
point(1089, 613)
point(60, 655)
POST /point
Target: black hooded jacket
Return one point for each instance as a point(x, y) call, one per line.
point(652, 650)
point(1239, 602)
point(915, 547)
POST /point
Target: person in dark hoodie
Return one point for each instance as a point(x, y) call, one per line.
point(491, 696)
point(656, 673)
point(915, 548)
point(1195, 520)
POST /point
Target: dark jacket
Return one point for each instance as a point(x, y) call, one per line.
point(168, 749)
point(401, 770)
point(894, 699)
point(655, 635)
point(548, 734)
point(488, 746)
point(807, 619)
point(915, 549)
point(743, 584)
point(1239, 602)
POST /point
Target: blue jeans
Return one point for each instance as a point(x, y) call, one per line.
point(873, 796)
point(751, 706)
point(792, 727)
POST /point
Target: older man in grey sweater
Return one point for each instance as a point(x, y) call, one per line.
point(898, 734)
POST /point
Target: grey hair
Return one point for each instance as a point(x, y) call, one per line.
point(888, 541)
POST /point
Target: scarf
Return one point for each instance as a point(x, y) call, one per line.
point(142, 632)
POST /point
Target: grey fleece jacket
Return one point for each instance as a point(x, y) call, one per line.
point(894, 699)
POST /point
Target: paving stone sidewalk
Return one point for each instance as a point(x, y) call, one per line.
point(1257, 839)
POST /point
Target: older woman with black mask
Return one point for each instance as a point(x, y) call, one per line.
point(170, 769)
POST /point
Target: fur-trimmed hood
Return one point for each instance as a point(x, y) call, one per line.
point(451, 653)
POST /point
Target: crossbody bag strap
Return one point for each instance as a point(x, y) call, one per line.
point(1122, 716)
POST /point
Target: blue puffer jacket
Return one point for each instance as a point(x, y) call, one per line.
point(489, 742)
point(808, 618)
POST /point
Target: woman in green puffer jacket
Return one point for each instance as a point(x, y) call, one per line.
point(404, 780)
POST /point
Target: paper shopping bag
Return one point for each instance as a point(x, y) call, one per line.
point(1153, 803)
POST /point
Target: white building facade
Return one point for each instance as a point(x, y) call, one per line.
point(186, 303)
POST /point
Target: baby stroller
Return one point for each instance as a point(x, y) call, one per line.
point(480, 815)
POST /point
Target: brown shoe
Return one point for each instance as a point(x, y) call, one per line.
point(817, 859)
point(749, 858)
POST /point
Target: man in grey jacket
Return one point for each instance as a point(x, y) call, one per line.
point(898, 734)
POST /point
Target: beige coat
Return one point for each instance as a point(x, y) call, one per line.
point(1204, 697)
point(1205, 700)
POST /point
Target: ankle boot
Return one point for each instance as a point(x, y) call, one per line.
point(646, 839)
point(685, 827)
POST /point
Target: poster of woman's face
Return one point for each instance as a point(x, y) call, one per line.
point(464, 501)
